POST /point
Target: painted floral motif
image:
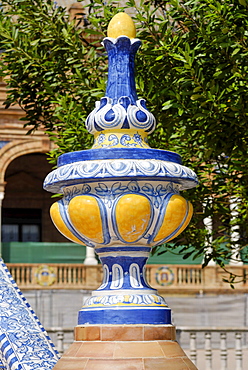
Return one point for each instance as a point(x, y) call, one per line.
point(72, 192)
point(138, 139)
point(158, 193)
point(108, 194)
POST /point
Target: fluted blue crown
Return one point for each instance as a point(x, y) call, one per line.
point(121, 108)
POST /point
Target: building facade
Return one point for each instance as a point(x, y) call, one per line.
point(23, 166)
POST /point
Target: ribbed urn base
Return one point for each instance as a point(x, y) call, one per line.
point(125, 347)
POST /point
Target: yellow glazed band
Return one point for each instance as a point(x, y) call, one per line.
point(120, 139)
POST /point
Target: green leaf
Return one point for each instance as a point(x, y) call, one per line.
point(243, 2)
point(195, 96)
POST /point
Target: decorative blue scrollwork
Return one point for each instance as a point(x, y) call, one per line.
point(124, 140)
point(120, 168)
point(114, 140)
point(122, 115)
point(101, 138)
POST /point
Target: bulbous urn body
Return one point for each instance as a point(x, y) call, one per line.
point(121, 207)
point(122, 213)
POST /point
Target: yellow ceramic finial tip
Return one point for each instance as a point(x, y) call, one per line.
point(121, 24)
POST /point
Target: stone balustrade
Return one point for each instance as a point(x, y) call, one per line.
point(216, 348)
point(176, 279)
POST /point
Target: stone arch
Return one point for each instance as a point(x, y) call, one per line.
point(18, 148)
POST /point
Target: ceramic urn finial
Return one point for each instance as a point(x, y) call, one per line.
point(121, 197)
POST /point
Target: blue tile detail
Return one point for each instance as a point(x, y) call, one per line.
point(118, 153)
point(24, 343)
point(118, 316)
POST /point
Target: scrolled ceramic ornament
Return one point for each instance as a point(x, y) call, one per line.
point(121, 197)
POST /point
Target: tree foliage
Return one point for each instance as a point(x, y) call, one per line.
point(193, 71)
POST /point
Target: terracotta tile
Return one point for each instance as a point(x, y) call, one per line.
point(96, 350)
point(129, 364)
point(165, 364)
point(71, 364)
point(159, 333)
point(122, 333)
point(171, 349)
point(137, 349)
point(90, 333)
point(190, 364)
point(73, 349)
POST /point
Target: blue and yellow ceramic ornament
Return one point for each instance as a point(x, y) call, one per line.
point(121, 197)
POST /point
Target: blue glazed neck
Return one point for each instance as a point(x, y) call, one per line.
point(124, 268)
point(124, 297)
point(121, 54)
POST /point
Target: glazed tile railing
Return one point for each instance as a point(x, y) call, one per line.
point(167, 278)
point(209, 348)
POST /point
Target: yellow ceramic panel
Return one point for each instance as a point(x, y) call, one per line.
point(121, 25)
point(119, 133)
point(85, 215)
point(59, 223)
point(186, 222)
point(133, 214)
point(174, 215)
